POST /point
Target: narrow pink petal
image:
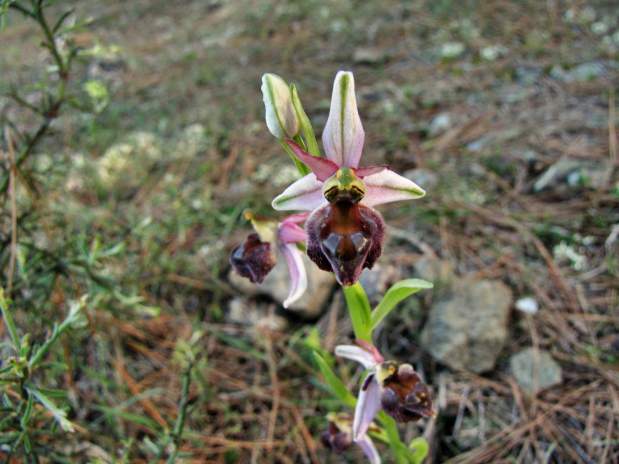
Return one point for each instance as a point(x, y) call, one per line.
point(368, 448)
point(369, 170)
point(343, 135)
point(322, 167)
point(368, 405)
point(297, 218)
point(357, 354)
point(289, 232)
point(387, 186)
point(304, 194)
point(296, 269)
point(368, 347)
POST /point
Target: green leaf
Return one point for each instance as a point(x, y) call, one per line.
point(306, 125)
point(335, 384)
point(144, 421)
point(25, 418)
point(75, 317)
point(8, 320)
point(419, 449)
point(399, 449)
point(359, 311)
point(59, 414)
point(398, 292)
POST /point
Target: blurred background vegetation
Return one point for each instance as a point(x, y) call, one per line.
point(133, 138)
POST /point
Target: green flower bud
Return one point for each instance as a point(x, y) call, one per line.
point(280, 114)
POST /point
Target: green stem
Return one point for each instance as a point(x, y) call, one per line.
point(63, 67)
point(177, 434)
point(359, 311)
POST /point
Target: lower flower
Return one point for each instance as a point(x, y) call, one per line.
point(396, 388)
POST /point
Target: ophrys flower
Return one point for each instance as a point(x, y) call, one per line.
point(394, 387)
point(345, 233)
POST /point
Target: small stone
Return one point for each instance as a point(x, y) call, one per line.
point(277, 285)
point(467, 327)
point(575, 173)
point(439, 124)
point(370, 55)
point(527, 305)
point(535, 370)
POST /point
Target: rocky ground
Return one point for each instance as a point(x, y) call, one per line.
point(505, 112)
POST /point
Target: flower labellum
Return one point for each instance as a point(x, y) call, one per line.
point(345, 233)
point(253, 259)
point(404, 396)
point(345, 236)
point(280, 114)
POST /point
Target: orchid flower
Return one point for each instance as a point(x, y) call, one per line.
point(338, 437)
point(396, 388)
point(345, 233)
point(254, 258)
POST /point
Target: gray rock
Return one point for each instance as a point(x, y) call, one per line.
point(581, 73)
point(277, 285)
point(534, 370)
point(527, 305)
point(439, 124)
point(438, 271)
point(241, 311)
point(370, 55)
point(575, 172)
point(467, 327)
point(377, 280)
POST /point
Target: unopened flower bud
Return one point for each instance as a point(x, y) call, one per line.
point(281, 117)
